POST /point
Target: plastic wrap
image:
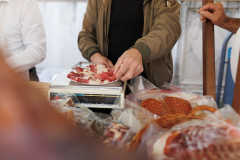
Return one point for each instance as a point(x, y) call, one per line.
point(81, 116)
point(142, 88)
point(117, 135)
point(215, 137)
point(139, 84)
point(135, 116)
point(169, 99)
point(65, 104)
point(229, 113)
point(60, 104)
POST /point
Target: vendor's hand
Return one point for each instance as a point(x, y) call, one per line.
point(129, 65)
point(213, 12)
point(97, 58)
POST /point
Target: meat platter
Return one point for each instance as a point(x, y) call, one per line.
point(94, 74)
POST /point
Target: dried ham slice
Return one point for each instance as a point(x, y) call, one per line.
point(210, 141)
point(94, 74)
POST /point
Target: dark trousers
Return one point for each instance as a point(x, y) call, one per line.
point(33, 74)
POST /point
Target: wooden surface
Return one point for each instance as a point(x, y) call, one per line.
point(41, 87)
point(209, 85)
point(236, 97)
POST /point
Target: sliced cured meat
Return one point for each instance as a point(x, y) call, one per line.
point(77, 74)
point(75, 77)
point(93, 68)
point(93, 74)
point(79, 69)
point(210, 141)
point(117, 135)
point(106, 76)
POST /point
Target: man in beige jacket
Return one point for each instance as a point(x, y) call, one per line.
point(135, 35)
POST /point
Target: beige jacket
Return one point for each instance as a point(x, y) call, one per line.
point(160, 32)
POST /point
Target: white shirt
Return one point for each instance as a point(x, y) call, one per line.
point(235, 55)
point(22, 34)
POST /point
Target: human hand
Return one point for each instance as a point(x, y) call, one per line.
point(129, 65)
point(97, 58)
point(213, 12)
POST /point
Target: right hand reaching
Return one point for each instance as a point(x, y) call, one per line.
point(97, 58)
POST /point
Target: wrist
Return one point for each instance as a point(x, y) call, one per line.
point(93, 55)
point(226, 21)
point(136, 51)
point(231, 24)
point(144, 50)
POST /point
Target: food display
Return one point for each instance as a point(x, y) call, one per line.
point(209, 141)
point(169, 121)
point(163, 124)
point(94, 74)
point(168, 105)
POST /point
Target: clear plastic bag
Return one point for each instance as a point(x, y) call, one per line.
point(81, 116)
point(142, 88)
point(117, 135)
point(215, 137)
point(65, 104)
point(139, 84)
point(137, 112)
point(169, 99)
point(125, 124)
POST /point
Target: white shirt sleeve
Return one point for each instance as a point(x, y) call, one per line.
point(34, 39)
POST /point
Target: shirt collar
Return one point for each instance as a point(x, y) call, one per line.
point(5, 1)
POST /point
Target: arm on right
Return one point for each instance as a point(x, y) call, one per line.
point(215, 12)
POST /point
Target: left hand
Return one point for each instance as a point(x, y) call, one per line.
point(97, 58)
point(129, 65)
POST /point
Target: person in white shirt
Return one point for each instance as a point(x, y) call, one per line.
point(22, 34)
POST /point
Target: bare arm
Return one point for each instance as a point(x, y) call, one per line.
point(232, 24)
point(216, 13)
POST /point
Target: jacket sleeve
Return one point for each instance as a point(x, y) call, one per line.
point(34, 38)
point(87, 42)
point(164, 32)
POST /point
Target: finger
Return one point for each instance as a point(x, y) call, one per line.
point(122, 71)
point(137, 71)
point(110, 64)
point(105, 62)
point(207, 15)
point(128, 75)
point(203, 19)
point(117, 66)
point(207, 7)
